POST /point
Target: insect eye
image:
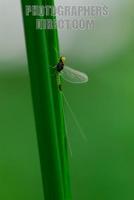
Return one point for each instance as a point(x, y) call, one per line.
point(63, 59)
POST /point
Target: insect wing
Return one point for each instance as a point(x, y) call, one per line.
point(73, 76)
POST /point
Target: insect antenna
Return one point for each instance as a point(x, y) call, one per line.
point(75, 119)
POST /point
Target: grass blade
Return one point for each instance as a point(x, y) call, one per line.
point(43, 53)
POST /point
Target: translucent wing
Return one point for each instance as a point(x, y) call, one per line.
point(73, 76)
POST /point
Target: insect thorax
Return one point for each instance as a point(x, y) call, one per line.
point(60, 66)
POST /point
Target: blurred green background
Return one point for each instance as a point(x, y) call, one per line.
point(101, 167)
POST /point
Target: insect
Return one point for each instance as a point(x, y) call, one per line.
point(72, 76)
point(69, 74)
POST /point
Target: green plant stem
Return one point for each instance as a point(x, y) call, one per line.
point(43, 53)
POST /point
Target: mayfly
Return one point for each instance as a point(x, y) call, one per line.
point(72, 76)
point(69, 74)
